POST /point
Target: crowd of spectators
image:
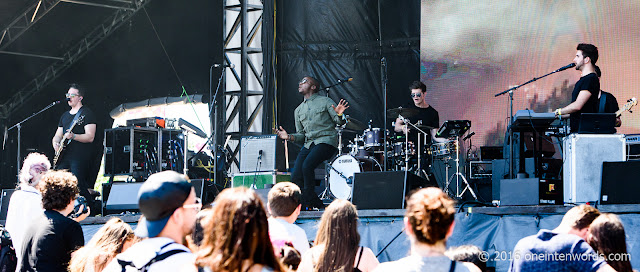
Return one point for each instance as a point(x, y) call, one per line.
point(237, 232)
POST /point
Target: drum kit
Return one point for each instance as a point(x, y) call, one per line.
point(375, 149)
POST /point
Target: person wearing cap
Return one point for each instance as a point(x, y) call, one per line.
point(169, 205)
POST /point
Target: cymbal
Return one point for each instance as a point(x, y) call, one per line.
point(405, 112)
point(354, 124)
point(424, 127)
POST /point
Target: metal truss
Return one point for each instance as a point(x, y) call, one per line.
point(25, 20)
point(243, 96)
point(73, 54)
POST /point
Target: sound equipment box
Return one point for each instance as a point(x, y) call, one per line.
point(619, 183)
point(385, 190)
point(4, 206)
point(123, 196)
point(633, 146)
point(550, 188)
point(583, 157)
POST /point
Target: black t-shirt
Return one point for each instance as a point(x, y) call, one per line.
point(589, 83)
point(49, 242)
point(610, 104)
point(429, 117)
point(75, 149)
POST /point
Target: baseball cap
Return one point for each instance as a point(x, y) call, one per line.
point(158, 198)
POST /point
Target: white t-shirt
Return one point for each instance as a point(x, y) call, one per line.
point(25, 205)
point(282, 231)
point(143, 252)
point(415, 263)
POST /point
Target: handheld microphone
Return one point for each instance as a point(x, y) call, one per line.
point(224, 65)
point(58, 102)
point(345, 80)
point(566, 67)
point(260, 155)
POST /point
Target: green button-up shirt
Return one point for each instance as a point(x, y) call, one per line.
point(316, 121)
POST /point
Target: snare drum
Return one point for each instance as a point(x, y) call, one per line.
point(343, 169)
point(373, 137)
point(443, 149)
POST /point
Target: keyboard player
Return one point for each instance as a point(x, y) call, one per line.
point(584, 98)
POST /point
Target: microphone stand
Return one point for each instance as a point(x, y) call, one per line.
point(214, 108)
point(510, 91)
point(340, 82)
point(19, 127)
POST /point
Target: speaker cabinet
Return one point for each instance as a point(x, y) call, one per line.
point(122, 197)
point(385, 190)
point(619, 183)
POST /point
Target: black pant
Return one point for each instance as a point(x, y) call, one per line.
point(303, 171)
point(79, 167)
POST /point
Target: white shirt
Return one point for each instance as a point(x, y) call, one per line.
point(143, 252)
point(25, 205)
point(282, 231)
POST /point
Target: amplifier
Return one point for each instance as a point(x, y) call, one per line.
point(258, 153)
point(131, 151)
point(633, 146)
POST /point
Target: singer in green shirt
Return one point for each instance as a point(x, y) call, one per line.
point(316, 118)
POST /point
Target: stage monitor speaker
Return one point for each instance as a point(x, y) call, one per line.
point(385, 190)
point(123, 196)
point(4, 207)
point(619, 183)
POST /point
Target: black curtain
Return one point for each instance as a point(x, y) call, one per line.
point(332, 39)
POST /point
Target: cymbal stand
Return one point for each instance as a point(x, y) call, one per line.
point(459, 175)
point(406, 144)
point(326, 195)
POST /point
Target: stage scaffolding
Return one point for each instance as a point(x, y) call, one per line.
point(242, 100)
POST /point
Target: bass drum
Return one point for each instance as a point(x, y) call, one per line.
point(342, 171)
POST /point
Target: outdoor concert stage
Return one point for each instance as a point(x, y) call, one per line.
point(496, 230)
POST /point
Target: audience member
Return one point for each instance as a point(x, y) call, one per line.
point(169, 205)
point(284, 207)
point(289, 256)
point(195, 239)
point(429, 221)
point(113, 238)
point(236, 238)
point(468, 253)
point(51, 237)
point(25, 204)
point(557, 250)
point(607, 237)
point(337, 243)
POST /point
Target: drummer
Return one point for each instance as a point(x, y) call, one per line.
point(426, 115)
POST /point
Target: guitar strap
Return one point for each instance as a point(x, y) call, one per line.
point(75, 119)
point(603, 101)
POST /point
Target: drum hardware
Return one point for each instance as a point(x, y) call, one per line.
point(406, 139)
point(406, 112)
point(456, 128)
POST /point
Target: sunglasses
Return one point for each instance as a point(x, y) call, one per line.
point(303, 81)
point(416, 95)
point(197, 206)
point(70, 95)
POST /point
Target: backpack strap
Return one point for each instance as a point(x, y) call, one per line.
point(453, 266)
point(157, 258)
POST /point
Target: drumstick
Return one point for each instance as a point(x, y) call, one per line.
point(286, 154)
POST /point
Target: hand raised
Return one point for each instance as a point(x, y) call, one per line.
point(342, 106)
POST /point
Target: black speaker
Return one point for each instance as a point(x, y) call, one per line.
point(122, 197)
point(4, 207)
point(619, 183)
point(385, 190)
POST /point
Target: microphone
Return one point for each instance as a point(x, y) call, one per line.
point(260, 155)
point(345, 80)
point(57, 102)
point(224, 65)
point(473, 133)
point(565, 67)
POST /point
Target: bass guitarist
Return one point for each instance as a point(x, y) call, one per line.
point(74, 153)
